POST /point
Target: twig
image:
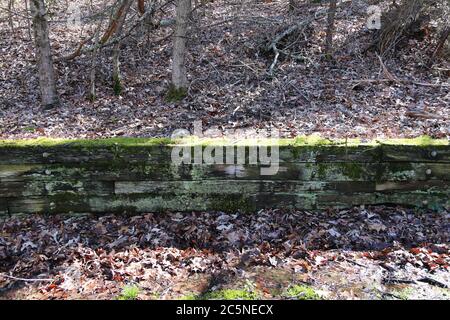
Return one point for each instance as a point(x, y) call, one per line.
point(434, 282)
point(110, 40)
point(300, 25)
point(424, 115)
point(385, 70)
point(27, 280)
point(275, 59)
point(389, 77)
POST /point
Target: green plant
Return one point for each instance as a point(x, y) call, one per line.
point(130, 292)
point(404, 294)
point(190, 296)
point(29, 129)
point(230, 294)
point(302, 292)
point(117, 86)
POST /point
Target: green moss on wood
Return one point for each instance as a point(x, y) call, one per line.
point(352, 170)
point(419, 141)
point(309, 142)
point(85, 143)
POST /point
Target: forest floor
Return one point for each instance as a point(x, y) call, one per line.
point(230, 86)
point(362, 253)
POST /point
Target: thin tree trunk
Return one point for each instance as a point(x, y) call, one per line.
point(92, 90)
point(117, 80)
point(330, 28)
point(10, 16)
point(179, 79)
point(28, 20)
point(49, 96)
point(117, 21)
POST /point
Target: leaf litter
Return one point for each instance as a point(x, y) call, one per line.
point(374, 252)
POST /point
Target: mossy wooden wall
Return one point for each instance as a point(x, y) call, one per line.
point(118, 176)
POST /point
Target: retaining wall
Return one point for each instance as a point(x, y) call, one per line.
point(138, 175)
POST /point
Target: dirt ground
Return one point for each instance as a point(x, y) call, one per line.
point(362, 253)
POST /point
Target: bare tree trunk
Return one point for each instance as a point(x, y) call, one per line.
point(28, 20)
point(179, 79)
point(117, 82)
point(92, 90)
point(10, 16)
point(49, 95)
point(330, 28)
point(117, 79)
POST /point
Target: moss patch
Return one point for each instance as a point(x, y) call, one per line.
point(117, 85)
point(302, 292)
point(404, 294)
point(129, 293)
point(230, 294)
point(175, 94)
point(313, 140)
point(352, 170)
point(85, 143)
point(419, 141)
point(190, 296)
point(310, 141)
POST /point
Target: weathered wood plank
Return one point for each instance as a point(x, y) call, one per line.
point(216, 187)
point(3, 207)
point(290, 171)
point(344, 172)
point(119, 154)
point(48, 204)
point(366, 153)
point(434, 200)
point(436, 185)
point(67, 154)
point(140, 203)
point(130, 203)
point(405, 153)
point(42, 188)
point(255, 186)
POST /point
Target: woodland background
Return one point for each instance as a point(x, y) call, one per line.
point(301, 66)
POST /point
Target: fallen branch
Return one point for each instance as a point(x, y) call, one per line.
point(273, 46)
point(390, 78)
point(358, 83)
point(386, 72)
point(424, 115)
point(434, 282)
point(28, 280)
